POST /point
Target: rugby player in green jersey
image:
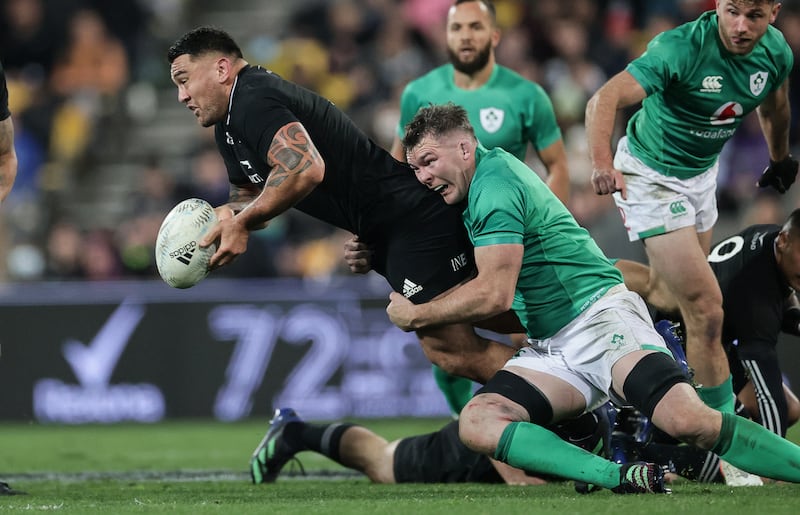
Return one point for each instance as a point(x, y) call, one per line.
point(506, 110)
point(696, 83)
point(589, 337)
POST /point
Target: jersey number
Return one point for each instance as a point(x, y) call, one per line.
point(726, 249)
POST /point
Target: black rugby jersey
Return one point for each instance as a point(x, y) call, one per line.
point(754, 290)
point(360, 188)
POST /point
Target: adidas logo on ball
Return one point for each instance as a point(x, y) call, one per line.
point(180, 259)
point(185, 253)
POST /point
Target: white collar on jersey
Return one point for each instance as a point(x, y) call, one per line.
point(230, 99)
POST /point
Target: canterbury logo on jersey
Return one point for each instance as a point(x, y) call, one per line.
point(410, 289)
point(712, 84)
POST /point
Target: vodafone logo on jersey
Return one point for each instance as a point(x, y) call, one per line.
point(727, 113)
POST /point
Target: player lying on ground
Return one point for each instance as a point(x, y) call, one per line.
point(437, 457)
point(440, 457)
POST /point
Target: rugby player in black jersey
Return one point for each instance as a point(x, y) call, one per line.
point(285, 146)
point(758, 270)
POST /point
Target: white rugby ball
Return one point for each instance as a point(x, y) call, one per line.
point(180, 259)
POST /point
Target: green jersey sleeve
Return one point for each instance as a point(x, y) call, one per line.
point(497, 203)
point(661, 63)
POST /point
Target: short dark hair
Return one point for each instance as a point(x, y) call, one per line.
point(203, 40)
point(489, 6)
point(792, 225)
point(436, 120)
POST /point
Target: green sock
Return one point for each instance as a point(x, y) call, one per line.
point(719, 397)
point(457, 390)
point(755, 449)
point(535, 449)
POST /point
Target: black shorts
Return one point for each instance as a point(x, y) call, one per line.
point(767, 358)
point(420, 244)
point(440, 457)
point(759, 364)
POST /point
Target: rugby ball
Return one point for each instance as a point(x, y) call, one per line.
point(181, 261)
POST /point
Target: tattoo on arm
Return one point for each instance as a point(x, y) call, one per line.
point(240, 196)
point(291, 153)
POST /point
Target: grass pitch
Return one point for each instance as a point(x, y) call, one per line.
point(201, 467)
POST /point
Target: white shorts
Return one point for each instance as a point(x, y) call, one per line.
point(658, 204)
point(583, 352)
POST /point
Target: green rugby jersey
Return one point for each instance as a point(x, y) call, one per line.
point(698, 94)
point(508, 111)
point(563, 270)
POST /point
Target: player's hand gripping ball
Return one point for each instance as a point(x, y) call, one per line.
point(181, 261)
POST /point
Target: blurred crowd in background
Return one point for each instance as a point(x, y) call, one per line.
point(105, 150)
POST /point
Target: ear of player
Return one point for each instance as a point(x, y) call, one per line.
point(779, 174)
point(180, 259)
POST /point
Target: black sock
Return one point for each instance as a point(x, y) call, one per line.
point(321, 438)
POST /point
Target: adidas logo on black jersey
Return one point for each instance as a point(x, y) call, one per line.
point(410, 289)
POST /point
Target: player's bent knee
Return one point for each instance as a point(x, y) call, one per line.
point(518, 390)
point(650, 379)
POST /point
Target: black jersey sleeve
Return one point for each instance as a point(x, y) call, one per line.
point(259, 113)
point(264, 121)
point(4, 112)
